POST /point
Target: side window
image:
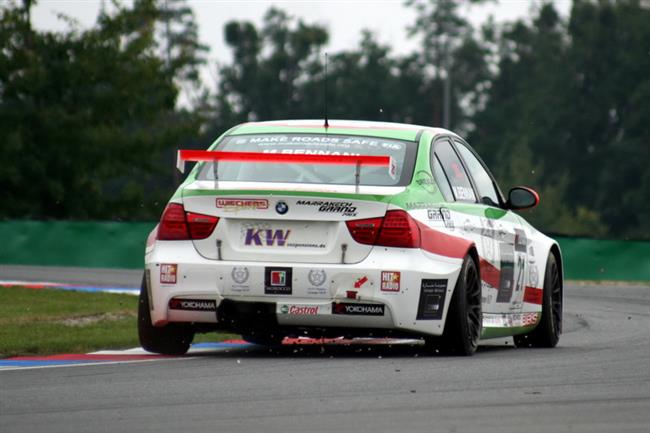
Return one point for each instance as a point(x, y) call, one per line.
point(482, 179)
point(441, 179)
point(455, 172)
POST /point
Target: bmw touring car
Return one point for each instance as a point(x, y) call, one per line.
point(300, 228)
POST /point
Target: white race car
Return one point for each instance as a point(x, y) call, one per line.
point(297, 228)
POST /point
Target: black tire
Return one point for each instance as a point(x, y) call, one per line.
point(172, 339)
point(548, 330)
point(464, 322)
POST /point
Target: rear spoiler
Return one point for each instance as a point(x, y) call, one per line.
point(279, 158)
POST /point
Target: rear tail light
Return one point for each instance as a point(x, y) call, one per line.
point(178, 225)
point(173, 226)
point(201, 226)
point(399, 230)
point(364, 231)
point(395, 229)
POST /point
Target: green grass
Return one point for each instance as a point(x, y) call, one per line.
point(43, 322)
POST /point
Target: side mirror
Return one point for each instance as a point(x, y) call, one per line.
point(521, 197)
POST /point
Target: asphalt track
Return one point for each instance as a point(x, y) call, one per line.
point(596, 380)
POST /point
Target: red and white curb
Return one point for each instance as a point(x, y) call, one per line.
point(200, 349)
point(37, 285)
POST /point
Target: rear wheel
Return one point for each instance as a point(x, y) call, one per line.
point(172, 339)
point(464, 322)
point(548, 330)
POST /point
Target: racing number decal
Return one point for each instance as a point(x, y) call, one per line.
point(521, 247)
point(513, 263)
point(507, 253)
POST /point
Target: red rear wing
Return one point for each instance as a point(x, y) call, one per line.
point(279, 158)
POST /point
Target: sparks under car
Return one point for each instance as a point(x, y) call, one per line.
point(292, 228)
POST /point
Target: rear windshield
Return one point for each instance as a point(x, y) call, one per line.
point(403, 153)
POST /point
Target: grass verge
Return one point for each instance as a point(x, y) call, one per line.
point(44, 322)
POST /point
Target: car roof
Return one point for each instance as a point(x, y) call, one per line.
point(400, 131)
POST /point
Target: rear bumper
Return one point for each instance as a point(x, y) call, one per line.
point(392, 288)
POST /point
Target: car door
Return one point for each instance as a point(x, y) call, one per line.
point(477, 209)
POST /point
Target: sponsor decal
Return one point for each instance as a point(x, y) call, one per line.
point(193, 304)
point(239, 274)
point(432, 299)
point(312, 152)
point(390, 281)
point(529, 319)
point(278, 278)
point(277, 281)
point(342, 207)
point(168, 273)
point(441, 214)
point(488, 242)
point(533, 275)
point(299, 310)
point(392, 171)
point(425, 180)
point(463, 193)
point(501, 232)
point(521, 242)
point(266, 237)
point(237, 204)
point(281, 207)
point(507, 276)
point(488, 229)
point(510, 320)
point(492, 320)
point(358, 309)
point(317, 277)
point(419, 205)
point(360, 282)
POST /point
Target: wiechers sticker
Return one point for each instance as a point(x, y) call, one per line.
point(237, 204)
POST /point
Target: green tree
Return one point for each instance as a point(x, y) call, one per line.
point(450, 48)
point(86, 116)
point(574, 95)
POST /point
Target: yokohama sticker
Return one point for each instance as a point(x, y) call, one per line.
point(358, 309)
point(168, 273)
point(193, 304)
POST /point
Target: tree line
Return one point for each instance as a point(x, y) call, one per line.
point(90, 118)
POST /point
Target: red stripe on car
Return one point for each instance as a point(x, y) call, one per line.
point(441, 243)
point(533, 295)
point(490, 273)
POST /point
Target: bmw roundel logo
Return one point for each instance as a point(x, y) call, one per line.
point(281, 207)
